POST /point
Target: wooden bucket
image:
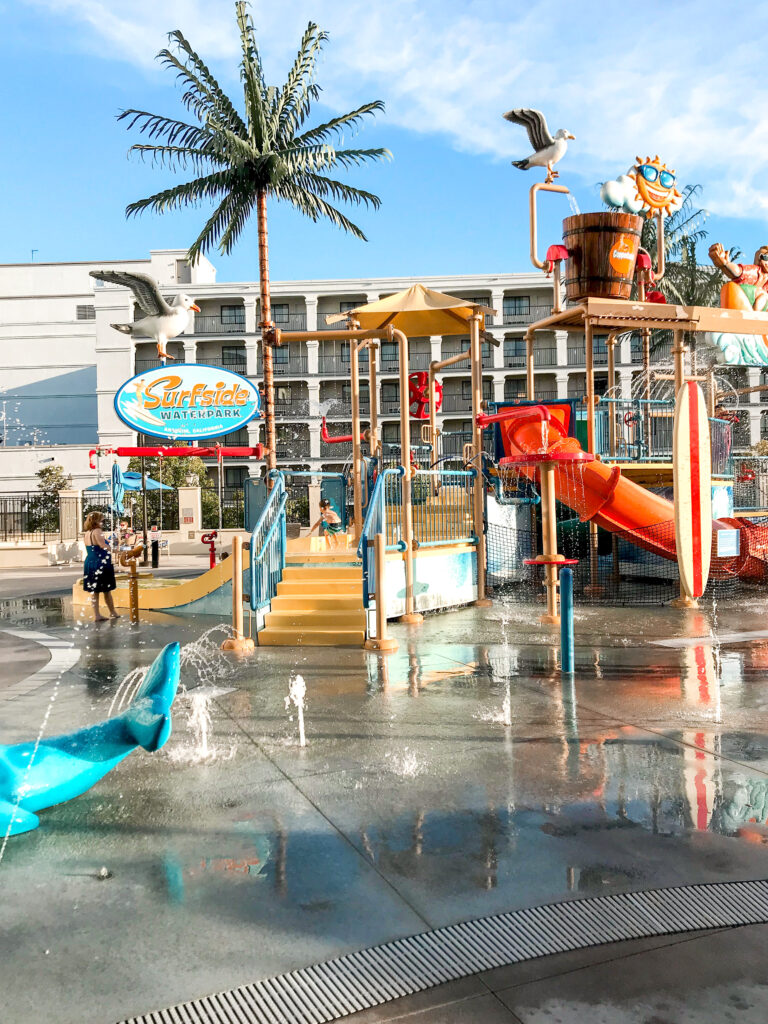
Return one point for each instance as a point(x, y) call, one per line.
point(602, 250)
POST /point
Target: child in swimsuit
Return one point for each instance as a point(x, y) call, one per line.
point(331, 523)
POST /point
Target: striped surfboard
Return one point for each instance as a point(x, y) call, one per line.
point(692, 474)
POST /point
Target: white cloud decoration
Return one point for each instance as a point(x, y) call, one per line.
point(621, 194)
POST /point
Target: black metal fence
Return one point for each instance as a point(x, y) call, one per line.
point(162, 509)
point(29, 516)
point(232, 508)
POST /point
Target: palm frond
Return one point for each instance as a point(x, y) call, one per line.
point(296, 96)
point(158, 127)
point(224, 225)
point(315, 158)
point(338, 190)
point(179, 157)
point(252, 76)
point(315, 208)
point(333, 128)
point(203, 94)
point(189, 193)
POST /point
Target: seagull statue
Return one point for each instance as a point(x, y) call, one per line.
point(163, 321)
point(546, 149)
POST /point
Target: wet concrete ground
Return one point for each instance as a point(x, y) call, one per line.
point(413, 805)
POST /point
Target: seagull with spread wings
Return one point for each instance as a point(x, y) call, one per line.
point(546, 149)
point(163, 321)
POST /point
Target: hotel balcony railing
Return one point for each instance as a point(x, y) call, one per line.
point(142, 365)
point(416, 361)
point(449, 353)
point(291, 367)
point(205, 324)
point(458, 403)
point(514, 360)
point(293, 322)
point(343, 410)
point(577, 356)
point(236, 366)
point(292, 410)
point(389, 406)
point(237, 439)
point(528, 316)
point(297, 449)
point(335, 366)
point(545, 357)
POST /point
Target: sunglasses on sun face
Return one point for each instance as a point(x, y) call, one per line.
point(651, 173)
point(763, 257)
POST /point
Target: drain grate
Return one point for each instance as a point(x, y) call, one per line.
point(370, 977)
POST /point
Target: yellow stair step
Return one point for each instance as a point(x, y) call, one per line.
point(318, 602)
point(276, 637)
point(322, 557)
point(323, 572)
point(302, 619)
point(295, 588)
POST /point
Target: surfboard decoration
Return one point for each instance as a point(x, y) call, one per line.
point(692, 475)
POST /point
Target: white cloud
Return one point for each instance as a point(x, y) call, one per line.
point(684, 80)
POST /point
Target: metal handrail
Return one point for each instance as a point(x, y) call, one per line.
point(264, 577)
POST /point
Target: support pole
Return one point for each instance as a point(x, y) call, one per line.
point(529, 385)
point(411, 615)
point(567, 659)
point(238, 641)
point(678, 351)
point(611, 343)
point(381, 643)
point(549, 540)
point(373, 437)
point(145, 555)
point(476, 363)
point(354, 369)
point(589, 350)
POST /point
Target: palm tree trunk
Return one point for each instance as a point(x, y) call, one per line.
point(265, 323)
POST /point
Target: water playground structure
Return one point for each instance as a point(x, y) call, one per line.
point(635, 487)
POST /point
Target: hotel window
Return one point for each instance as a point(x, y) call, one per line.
point(517, 305)
point(233, 314)
point(86, 313)
point(280, 314)
point(232, 355)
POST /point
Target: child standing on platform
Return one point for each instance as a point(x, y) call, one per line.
point(331, 523)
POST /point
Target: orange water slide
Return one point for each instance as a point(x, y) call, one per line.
point(600, 494)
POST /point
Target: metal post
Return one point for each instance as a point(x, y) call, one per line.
point(678, 351)
point(219, 475)
point(529, 385)
point(611, 343)
point(381, 643)
point(373, 398)
point(354, 372)
point(476, 363)
point(567, 660)
point(549, 539)
point(411, 615)
point(145, 553)
point(238, 641)
point(589, 351)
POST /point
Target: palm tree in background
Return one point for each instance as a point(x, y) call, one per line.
point(241, 159)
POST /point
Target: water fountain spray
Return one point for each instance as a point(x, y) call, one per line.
point(297, 690)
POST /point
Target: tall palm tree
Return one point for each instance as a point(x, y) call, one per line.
point(241, 159)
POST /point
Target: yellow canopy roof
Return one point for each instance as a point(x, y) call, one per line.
point(417, 311)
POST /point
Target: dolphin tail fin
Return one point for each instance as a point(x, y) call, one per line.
point(148, 719)
point(14, 820)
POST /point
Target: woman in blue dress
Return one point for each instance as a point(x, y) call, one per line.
point(98, 571)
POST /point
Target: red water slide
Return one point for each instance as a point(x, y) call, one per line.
point(599, 493)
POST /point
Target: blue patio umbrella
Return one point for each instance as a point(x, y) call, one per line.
point(118, 489)
point(131, 482)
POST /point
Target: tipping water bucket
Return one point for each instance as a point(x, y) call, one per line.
point(602, 250)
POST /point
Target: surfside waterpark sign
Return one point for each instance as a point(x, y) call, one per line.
point(191, 401)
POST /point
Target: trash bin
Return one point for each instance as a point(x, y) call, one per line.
point(155, 548)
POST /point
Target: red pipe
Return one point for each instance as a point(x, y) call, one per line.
point(336, 439)
point(217, 451)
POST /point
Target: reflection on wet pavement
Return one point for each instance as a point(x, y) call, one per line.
point(447, 781)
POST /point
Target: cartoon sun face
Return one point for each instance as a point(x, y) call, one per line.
point(655, 186)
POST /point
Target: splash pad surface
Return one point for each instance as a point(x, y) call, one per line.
point(450, 781)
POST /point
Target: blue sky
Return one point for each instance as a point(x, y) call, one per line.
point(685, 80)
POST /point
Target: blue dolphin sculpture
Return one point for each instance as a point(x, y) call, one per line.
point(66, 766)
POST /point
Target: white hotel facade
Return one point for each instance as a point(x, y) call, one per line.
point(61, 363)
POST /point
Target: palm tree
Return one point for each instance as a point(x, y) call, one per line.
point(241, 159)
